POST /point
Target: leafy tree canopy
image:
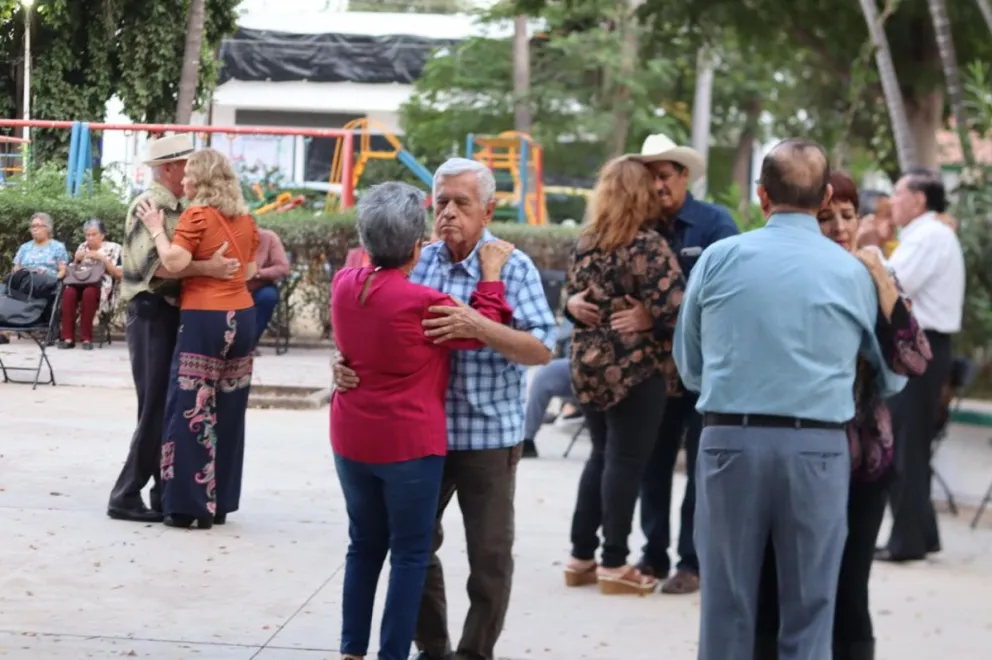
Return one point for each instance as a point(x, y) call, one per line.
point(86, 51)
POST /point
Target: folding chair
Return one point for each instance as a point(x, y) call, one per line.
point(43, 334)
point(963, 373)
point(575, 436)
point(984, 504)
point(279, 325)
point(105, 318)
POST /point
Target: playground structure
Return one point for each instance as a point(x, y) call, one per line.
point(518, 155)
point(81, 157)
point(12, 159)
point(364, 128)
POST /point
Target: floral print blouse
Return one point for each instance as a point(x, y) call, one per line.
point(108, 285)
point(606, 364)
point(870, 432)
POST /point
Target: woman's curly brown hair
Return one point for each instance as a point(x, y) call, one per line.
point(623, 203)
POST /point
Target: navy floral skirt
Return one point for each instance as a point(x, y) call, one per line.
point(204, 445)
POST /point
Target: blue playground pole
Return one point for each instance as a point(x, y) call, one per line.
point(82, 156)
point(522, 207)
point(71, 165)
point(469, 145)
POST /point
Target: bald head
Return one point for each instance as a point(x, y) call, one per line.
point(795, 174)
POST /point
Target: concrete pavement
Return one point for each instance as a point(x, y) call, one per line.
point(74, 584)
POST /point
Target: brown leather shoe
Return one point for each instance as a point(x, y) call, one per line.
point(683, 582)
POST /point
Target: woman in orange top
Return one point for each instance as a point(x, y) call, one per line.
point(203, 448)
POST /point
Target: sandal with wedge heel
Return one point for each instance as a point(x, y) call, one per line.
point(628, 582)
point(580, 575)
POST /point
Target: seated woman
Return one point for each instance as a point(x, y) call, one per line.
point(90, 298)
point(204, 444)
point(390, 435)
point(42, 254)
point(272, 267)
point(621, 380)
point(870, 435)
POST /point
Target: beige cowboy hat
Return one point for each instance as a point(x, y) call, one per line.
point(659, 147)
point(169, 149)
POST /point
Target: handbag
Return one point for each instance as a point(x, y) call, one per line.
point(85, 273)
point(27, 297)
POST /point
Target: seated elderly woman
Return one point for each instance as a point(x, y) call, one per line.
point(390, 435)
point(90, 284)
point(42, 254)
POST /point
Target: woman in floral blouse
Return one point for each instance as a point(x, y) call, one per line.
point(870, 437)
point(95, 298)
point(620, 379)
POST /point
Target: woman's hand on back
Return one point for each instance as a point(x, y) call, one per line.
point(150, 215)
point(492, 257)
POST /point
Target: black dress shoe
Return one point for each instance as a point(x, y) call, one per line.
point(530, 449)
point(186, 522)
point(139, 513)
point(884, 554)
point(220, 518)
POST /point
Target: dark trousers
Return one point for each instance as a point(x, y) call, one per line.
point(852, 615)
point(789, 484)
point(266, 299)
point(152, 325)
point(485, 482)
point(204, 448)
point(681, 424)
point(914, 424)
point(391, 509)
point(623, 437)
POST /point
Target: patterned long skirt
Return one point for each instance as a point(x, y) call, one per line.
point(204, 445)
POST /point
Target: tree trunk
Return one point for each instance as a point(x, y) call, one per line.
point(191, 62)
point(521, 76)
point(986, 8)
point(952, 75)
point(622, 110)
point(905, 142)
point(925, 113)
point(702, 106)
point(744, 157)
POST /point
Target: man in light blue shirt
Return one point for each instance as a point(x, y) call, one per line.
point(770, 330)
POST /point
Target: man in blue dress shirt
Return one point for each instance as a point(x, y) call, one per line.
point(769, 334)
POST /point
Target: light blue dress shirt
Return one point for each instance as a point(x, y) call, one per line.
point(772, 323)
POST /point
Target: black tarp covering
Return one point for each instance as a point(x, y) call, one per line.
point(255, 55)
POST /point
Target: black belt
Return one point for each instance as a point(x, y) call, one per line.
point(767, 421)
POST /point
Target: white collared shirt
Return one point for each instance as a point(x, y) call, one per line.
point(930, 266)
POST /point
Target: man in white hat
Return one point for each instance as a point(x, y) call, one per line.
point(691, 226)
point(151, 293)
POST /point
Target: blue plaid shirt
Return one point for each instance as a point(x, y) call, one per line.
point(486, 392)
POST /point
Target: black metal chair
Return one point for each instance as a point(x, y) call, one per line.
point(963, 372)
point(279, 325)
point(575, 437)
point(553, 282)
point(44, 333)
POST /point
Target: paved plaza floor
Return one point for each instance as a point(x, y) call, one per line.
point(75, 584)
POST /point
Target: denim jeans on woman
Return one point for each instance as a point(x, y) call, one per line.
point(391, 508)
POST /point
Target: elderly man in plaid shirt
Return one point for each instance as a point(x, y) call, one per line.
point(486, 396)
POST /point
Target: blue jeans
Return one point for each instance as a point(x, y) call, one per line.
point(391, 508)
point(266, 300)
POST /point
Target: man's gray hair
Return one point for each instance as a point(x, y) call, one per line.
point(44, 217)
point(457, 166)
point(392, 220)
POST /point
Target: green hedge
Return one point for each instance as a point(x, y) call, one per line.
point(311, 239)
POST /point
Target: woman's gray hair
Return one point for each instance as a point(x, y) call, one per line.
point(44, 217)
point(95, 223)
point(458, 166)
point(392, 220)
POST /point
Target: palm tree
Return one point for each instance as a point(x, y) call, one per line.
point(905, 142)
point(191, 62)
point(986, 8)
point(949, 59)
